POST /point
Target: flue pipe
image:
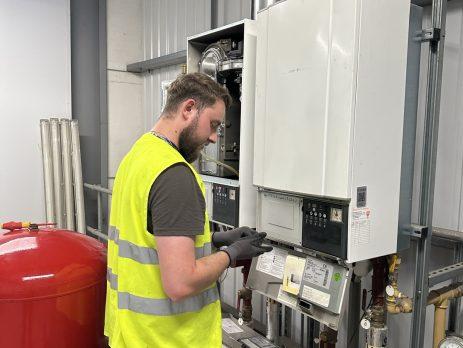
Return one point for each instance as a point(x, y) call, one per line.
point(67, 173)
point(47, 163)
point(77, 174)
point(57, 172)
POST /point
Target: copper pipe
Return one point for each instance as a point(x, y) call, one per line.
point(446, 293)
point(440, 310)
point(439, 298)
point(378, 313)
point(245, 294)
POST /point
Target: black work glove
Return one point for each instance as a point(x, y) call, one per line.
point(246, 248)
point(226, 238)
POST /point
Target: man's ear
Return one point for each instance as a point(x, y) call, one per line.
point(189, 108)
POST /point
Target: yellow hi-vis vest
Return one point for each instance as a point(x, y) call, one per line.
point(138, 311)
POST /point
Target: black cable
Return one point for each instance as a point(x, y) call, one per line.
point(363, 315)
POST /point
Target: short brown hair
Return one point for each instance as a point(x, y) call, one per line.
point(200, 87)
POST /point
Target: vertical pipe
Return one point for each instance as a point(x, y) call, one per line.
point(428, 171)
point(57, 172)
point(455, 310)
point(440, 310)
point(458, 302)
point(78, 182)
point(302, 330)
point(100, 213)
point(287, 327)
point(311, 333)
point(272, 320)
point(354, 313)
point(67, 173)
point(47, 161)
point(103, 104)
point(316, 331)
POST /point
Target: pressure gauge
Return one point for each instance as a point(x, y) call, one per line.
point(336, 215)
point(451, 342)
point(389, 290)
point(365, 323)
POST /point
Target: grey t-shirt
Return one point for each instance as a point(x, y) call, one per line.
point(176, 204)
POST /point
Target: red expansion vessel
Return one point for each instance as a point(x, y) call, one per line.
point(52, 289)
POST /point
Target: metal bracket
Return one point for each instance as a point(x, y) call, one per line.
point(157, 63)
point(445, 273)
point(417, 231)
point(430, 34)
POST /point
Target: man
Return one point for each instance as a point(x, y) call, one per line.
point(161, 271)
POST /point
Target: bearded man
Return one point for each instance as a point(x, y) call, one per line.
point(162, 272)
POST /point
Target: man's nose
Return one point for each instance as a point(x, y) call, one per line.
point(213, 138)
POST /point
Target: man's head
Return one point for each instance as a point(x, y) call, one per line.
point(197, 104)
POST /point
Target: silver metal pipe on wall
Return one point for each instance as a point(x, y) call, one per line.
point(47, 162)
point(57, 172)
point(77, 173)
point(67, 173)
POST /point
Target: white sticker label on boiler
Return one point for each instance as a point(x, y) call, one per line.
point(318, 272)
point(360, 226)
point(230, 327)
point(272, 263)
point(316, 296)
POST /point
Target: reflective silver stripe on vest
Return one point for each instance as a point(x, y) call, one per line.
point(137, 253)
point(147, 255)
point(112, 279)
point(163, 307)
point(113, 234)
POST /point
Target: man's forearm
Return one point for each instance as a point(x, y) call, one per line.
point(208, 269)
point(194, 280)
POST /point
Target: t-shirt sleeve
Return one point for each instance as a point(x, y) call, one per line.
point(176, 204)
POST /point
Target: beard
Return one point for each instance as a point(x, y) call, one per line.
point(189, 145)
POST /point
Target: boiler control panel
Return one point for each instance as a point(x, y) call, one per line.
point(325, 226)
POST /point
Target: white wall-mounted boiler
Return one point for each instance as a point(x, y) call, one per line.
point(329, 127)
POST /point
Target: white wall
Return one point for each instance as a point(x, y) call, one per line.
point(35, 83)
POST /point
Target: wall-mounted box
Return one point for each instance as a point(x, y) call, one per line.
point(329, 127)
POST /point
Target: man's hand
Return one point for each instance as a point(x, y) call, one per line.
point(246, 248)
point(227, 238)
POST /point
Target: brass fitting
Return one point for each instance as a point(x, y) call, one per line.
point(396, 302)
point(400, 305)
